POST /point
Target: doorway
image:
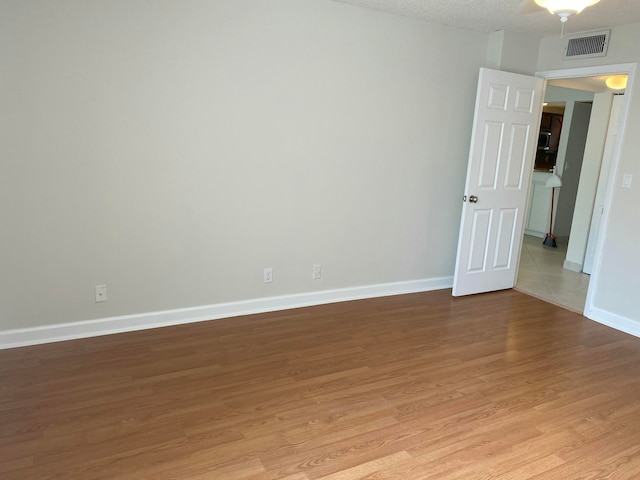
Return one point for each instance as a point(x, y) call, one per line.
point(546, 272)
point(568, 119)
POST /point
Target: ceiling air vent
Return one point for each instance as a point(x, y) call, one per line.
point(592, 44)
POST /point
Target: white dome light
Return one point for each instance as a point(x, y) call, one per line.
point(565, 8)
point(617, 82)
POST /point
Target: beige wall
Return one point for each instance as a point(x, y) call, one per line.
point(172, 150)
point(616, 294)
point(512, 52)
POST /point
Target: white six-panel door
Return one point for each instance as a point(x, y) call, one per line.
point(503, 144)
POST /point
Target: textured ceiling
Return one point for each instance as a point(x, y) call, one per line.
point(491, 15)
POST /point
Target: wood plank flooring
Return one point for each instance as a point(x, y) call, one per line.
point(422, 386)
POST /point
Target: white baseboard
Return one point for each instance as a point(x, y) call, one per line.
point(127, 323)
point(624, 324)
point(535, 233)
point(573, 266)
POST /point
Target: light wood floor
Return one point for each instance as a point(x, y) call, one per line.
point(423, 386)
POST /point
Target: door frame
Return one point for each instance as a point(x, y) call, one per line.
point(592, 236)
point(630, 70)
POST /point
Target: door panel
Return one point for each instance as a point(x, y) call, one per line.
point(490, 155)
point(480, 240)
point(520, 135)
point(506, 238)
point(524, 100)
point(503, 143)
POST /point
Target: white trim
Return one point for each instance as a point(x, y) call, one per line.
point(630, 70)
point(593, 71)
point(534, 233)
point(127, 323)
point(573, 266)
point(612, 320)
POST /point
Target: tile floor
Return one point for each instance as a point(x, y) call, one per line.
point(541, 275)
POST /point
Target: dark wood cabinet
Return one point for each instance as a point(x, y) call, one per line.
point(549, 139)
point(555, 126)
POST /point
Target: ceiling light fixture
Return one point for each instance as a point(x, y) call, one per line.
point(565, 8)
point(617, 82)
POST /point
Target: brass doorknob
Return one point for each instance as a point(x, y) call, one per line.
point(473, 199)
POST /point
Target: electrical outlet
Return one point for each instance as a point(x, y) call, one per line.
point(101, 293)
point(268, 275)
point(317, 272)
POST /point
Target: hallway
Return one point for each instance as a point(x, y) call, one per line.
point(541, 275)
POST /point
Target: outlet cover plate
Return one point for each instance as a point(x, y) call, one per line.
point(101, 293)
point(268, 275)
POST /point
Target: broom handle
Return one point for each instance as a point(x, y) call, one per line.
point(553, 191)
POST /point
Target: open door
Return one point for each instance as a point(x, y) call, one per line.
point(503, 144)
